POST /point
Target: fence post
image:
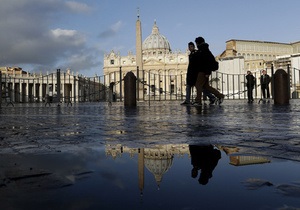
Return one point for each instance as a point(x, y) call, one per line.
point(130, 90)
point(58, 85)
point(289, 79)
point(121, 94)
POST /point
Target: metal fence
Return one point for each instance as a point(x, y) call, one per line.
point(157, 87)
point(68, 88)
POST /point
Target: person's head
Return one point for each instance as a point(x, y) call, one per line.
point(204, 178)
point(199, 40)
point(249, 72)
point(264, 71)
point(191, 46)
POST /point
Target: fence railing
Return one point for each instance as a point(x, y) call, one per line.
point(150, 86)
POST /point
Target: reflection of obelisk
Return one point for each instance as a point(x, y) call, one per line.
point(139, 59)
point(141, 169)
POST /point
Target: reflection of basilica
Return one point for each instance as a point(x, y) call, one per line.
point(159, 158)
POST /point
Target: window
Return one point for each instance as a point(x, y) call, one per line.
point(172, 88)
point(112, 62)
point(152, 88)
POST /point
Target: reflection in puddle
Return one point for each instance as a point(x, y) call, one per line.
point(171, 176)
point(254, 184)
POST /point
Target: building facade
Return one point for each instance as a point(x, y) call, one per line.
point(157, 60)
point(259, 54)
point(162, 70)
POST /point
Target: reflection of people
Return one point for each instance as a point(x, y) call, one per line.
point(264, 82)
point(204, 158)
point(250, 86)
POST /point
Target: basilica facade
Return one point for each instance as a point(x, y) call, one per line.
point(154, 60)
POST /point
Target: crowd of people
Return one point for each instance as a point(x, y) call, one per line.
point(198, 72)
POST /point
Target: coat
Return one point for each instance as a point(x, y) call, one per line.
point(250, 81)
point(203, 58)
point(191, 76)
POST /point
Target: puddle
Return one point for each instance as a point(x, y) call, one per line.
point(173, 176)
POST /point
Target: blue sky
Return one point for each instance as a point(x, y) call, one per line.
point(43, 35)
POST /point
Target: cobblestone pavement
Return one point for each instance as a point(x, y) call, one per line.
point(260, 129)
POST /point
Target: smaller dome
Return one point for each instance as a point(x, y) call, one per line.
point(156, 42)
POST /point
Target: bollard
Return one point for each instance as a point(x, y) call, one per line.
point(130, 89)
point(281, 87)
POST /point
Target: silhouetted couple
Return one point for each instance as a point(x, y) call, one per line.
point(204, 158)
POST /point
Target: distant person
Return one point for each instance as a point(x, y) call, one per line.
point(203, 60)
point(191, 77)
point(250, 86)
point(204, 158)
point(264, 82)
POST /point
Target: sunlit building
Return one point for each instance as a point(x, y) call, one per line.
point(154, 60)
point(161, 69)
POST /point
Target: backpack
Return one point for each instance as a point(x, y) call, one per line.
point(213, 65)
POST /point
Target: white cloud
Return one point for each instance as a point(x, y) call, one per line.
point(113, 30)
point(30, 39)
point(115, 27)
point(78, 7)
point(68, 36)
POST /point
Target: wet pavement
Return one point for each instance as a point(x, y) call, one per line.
point(49, 149)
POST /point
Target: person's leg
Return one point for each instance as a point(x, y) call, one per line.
point(188, 93)
point(263, 90)
point(201, 79)
point(268, 91)
point(208, 94)
point(213, 90)
point(249, 94)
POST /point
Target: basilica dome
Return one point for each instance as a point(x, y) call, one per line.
point(156, 42)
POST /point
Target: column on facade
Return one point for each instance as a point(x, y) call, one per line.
point(20, 81)
point(62, 83)
point(27, 89)
point(13, 90)
point(40, 90)
point(73, 87)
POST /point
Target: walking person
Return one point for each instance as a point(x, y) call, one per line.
point(203, 56)
point(250, 86)
point(191, 77)
point(264, 82)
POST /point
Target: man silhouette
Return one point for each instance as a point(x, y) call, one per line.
point(204, 158)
